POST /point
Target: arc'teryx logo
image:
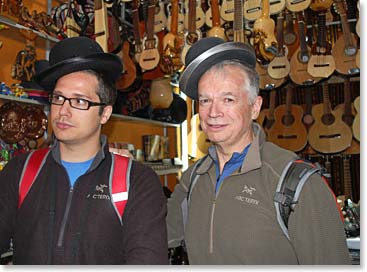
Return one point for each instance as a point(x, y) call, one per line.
point(247, 190)
point(100, 192)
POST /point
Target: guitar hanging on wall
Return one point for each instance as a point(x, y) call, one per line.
point(216, 30)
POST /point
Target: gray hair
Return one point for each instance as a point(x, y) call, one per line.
point(251, 84)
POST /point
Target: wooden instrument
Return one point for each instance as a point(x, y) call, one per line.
point(100, 24)
point(321, 63)
point(180, 20)
point(193, 34)
point(266, 117)
point(320, 5)
point(297, 5)
point(279, 67)
point(299, 61)
point(291, 39)
point(307, 118)
point(356, 121)
point(227, 10)
point(266, 82)
point(197, 140)
point(138, 48)
point(199, 18)
point(347, 180)
point(329, 134)
point(265, 43)
point(253, 8)
point(288, 130)
point(160, 18)
point(238, 31)
point(150, 57)
point(172, 45)
point(209, 17)
point(345, 48)
point(216, 30)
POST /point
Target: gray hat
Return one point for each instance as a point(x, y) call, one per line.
point(207, 52)
point(77, 54)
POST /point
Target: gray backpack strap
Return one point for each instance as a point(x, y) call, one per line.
point(291, 182)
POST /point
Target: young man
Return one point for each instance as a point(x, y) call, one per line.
point(67, 216)
point(231, 213)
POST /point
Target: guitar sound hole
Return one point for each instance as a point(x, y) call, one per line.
point(288, 119)
point(328, 119)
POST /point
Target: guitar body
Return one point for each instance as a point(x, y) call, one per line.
point(329, 134)
point(290, 134)
point(298, 74)
point(128, 75)
point(356, 121)
point(321, 65)
point(320, 5)
point(150, 57)
point(227, 10)
point(345, 60)
point(217, 31)
point(209, 18)
point(197, 140)
point(297, 5)
point(265, 81)
point(252, 8)
point(279, 67)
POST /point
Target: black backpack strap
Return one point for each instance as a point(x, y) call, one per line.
point(289, 188)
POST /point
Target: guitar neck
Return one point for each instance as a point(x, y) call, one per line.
point(326, 98)
point(272, 101)
point(288, 100)
point(136, 29)
point(280, 34)
point(347, 177)
point(215, 13)
point(174, 17)
point(192, 16)
point(238, 22)
point(302, 39)
point(347, 98)
point(149, 26)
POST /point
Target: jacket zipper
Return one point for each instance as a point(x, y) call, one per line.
point(65, 219)
point(211, 238)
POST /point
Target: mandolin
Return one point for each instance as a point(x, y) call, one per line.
point(356, 121)
point(253, 9)
point(150, 57)
point(197, 140)
point(266, 117)
point(321, 63)
point(288, 130)
point(279, 67)
point(216, 30)
point(172, 45)
point(345, 48)
point(265, 43)
point(199, 18)
point(299, 61)
point(193, 34)
point(297, 5)
point(329, 134)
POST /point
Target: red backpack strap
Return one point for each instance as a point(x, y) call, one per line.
point(31, 169)
point(120, 182)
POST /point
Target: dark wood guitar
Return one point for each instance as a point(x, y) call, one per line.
point(216, 29)
point(329, 134)
point(299, 61)
point(193, 34)
point(150, 57)
point(288, 130)
point(266, 117)
point(279, 67)
point(265, 43)
point(345, 48)
point(356, 121)
point(321, 63)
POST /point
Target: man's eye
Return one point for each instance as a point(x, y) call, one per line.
point(228, 100)
point(203, 101)
point(80, 101)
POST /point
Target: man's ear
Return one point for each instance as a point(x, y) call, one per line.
point(256, 107)
point(106, 114)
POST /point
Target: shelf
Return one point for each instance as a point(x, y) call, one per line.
point(11, 23)
point(22, 100)
point(143, 120)
point(162, 169)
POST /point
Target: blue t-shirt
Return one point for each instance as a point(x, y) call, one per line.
point(234, 163)
point(76, 169)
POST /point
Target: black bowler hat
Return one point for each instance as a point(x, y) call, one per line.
point(207, 52)
point(77, 54)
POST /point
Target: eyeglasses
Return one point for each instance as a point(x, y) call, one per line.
point(76, 103)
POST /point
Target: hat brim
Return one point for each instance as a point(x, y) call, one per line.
point(239, 52)
point(108, 64)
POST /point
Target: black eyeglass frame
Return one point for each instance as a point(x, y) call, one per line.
point(89, 103)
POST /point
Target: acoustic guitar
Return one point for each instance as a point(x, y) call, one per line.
point(253, 8)
point(345, 48)
point(348, 115)
point(307, 118)
point(216, 29)
point(299, 61)
point(197, 140)
point(321, 63)
point(193, 34)
point(138, 48)
point(329, 134)
point(279, 67)
point(266, 117)
point(291, 39)
point(266, 82)
point(265, 43)
point(356, 121)
point(227, 10)
point(199, 18)
point(172, 45)
point(297, 5)
point(288, 130)
point(238, 23)
point(150, 57)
